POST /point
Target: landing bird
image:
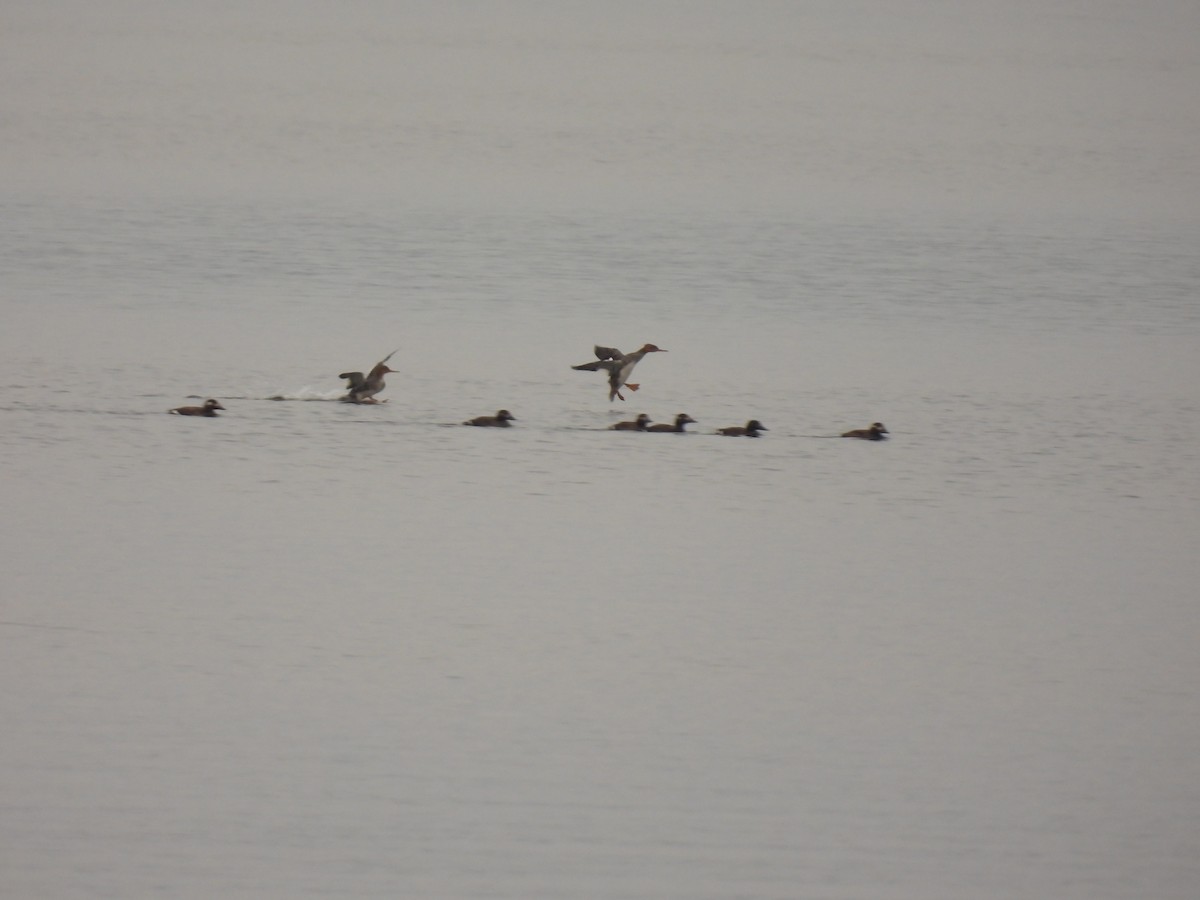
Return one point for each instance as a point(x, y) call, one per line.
point(618, 365)
point(875, 433)
point(209, 409)
point(363, 390)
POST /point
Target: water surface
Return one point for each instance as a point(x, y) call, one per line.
point(315, 649)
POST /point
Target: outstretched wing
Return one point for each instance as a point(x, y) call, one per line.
point(607, 358)
point(356, 379)
point(608, 365)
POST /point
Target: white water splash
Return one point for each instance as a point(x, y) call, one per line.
point(308, 393)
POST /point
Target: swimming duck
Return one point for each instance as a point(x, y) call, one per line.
point(209, 409)
point(618, 365)
point(750, 429)
point(639, 424)
point(875, 433)
point(363, 390)
point(680, 420)
point(499, 420)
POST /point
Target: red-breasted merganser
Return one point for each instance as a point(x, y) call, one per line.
point(618, 365)
point(680, 420)
point(875, 433)
point(638, 424)
point(363, 390)
point(209, 409)
point(499, 420)
point(750, 429)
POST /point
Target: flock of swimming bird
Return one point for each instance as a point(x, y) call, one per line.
point(617, 365)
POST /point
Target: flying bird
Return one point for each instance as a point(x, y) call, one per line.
point(618, 365)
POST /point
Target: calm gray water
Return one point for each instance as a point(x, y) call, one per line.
point(314, 649)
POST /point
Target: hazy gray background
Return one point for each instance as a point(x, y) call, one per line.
point(930, 104)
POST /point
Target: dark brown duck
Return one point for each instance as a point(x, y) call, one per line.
point(209, 409)
point(680, 420)
point(750, 429)
point(875, 433)
point(499, 420)
point(638, 424)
